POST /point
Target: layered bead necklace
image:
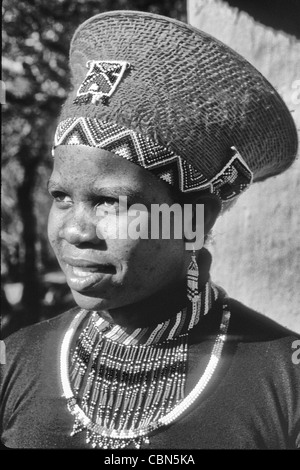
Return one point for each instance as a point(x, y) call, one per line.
point(121, 384)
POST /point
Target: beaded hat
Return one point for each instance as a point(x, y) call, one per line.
point(176, 101)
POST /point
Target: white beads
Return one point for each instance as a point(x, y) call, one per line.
point(107, 437)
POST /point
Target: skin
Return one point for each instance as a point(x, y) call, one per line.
point(132, 282)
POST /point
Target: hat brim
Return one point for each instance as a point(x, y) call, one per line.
point(187, 91)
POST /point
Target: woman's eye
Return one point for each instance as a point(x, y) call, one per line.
point(61, 198)
point(108, 204)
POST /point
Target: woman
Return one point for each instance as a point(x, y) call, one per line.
point(155, 355)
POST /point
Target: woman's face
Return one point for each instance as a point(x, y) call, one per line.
point(103, 270)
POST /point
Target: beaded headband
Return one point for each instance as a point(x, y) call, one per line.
point(175, 101)
point(234, 178)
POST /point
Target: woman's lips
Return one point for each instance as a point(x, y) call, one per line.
point(84, 274)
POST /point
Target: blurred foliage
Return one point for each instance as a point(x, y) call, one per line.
point(36, 37)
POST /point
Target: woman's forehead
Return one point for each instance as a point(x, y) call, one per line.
point(83, 165)
point(83, 160)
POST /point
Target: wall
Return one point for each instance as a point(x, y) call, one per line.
point(256, 245)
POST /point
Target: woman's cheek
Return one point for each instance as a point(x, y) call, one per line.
point(55, 223)
point(52, 226)
point(127, 227)
point(107, 226)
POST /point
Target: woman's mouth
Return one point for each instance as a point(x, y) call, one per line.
point(83, 274)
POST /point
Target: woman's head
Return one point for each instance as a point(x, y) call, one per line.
point(157, 109)
point(104, 271)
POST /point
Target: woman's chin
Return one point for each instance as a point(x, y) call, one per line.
point(90, 303)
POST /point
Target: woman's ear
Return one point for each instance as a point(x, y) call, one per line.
point(198, 226)
point(212, 208)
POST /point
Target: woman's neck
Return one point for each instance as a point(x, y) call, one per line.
point(154, 309)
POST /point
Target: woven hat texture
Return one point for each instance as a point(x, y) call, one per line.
point(185, 91)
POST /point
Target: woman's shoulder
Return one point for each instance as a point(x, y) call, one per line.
point(248, 325)
point(249, 333)
point(32, 337)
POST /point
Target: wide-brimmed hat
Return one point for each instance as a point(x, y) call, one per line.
point(176, 101)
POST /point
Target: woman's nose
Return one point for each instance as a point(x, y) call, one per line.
point(80, 227)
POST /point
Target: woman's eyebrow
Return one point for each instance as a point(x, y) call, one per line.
point(125, 191)
point(133, 196)
point(53, 184)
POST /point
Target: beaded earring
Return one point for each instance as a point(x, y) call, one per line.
point(192, 283)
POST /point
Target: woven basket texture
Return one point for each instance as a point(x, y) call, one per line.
point(185, 90)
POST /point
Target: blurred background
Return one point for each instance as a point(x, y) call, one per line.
point(255, 247)
point(36, 38)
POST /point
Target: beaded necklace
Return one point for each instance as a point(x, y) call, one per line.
point(121, 386)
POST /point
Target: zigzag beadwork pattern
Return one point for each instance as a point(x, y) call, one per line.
point(234, 178)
